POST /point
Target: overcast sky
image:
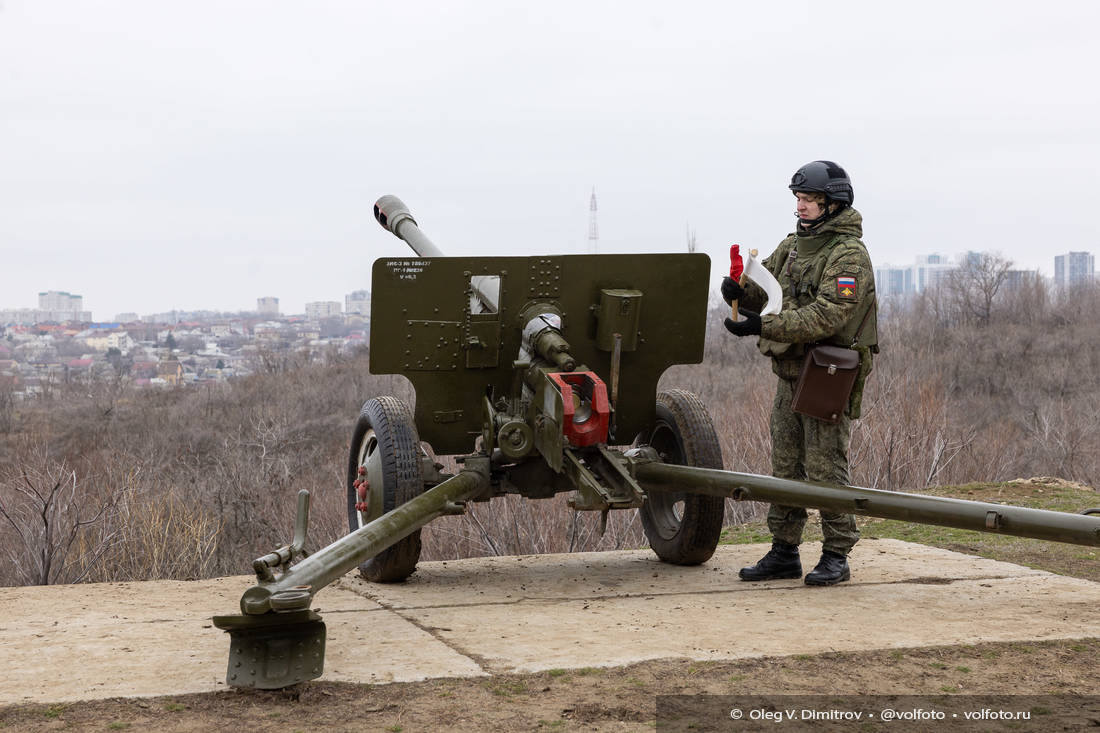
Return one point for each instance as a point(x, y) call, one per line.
point(187, 155)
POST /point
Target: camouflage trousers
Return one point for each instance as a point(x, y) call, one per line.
point(805, 448)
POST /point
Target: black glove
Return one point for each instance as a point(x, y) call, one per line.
point(731, 290)
point(748, 327)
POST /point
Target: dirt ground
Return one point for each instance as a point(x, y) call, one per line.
point(616, 699)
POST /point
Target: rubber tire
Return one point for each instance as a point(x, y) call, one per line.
point(395, 433)
point(684, 435)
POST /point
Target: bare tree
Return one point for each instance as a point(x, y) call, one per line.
point(49, 516)
point(973, 288)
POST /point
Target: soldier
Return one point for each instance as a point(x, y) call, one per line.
point(828, 297)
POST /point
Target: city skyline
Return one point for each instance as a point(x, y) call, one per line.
point(924, 271)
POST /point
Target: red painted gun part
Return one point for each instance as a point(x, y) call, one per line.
point(594, 429)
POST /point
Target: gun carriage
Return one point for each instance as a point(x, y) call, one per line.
point(540, 373)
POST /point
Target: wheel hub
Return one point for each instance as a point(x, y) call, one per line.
point(370, 503)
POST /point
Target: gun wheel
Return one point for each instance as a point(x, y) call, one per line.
point(385, 451)
point(683, 528)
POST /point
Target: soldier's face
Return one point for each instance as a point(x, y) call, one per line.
point(807, 207)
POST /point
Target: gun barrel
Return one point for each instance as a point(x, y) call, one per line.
point(1040, 524)
point(392, 213)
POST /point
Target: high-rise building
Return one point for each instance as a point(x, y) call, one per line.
point(57, 305)
point(893, 280)
point(267, 306)
point(932, 270)
point(970, 257)
point(322, 309)
point(1019, 279)
point(926, 272)
point(1074, 268)
point(357, 301)
point(57, 300)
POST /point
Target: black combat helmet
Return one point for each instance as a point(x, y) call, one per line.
point(824, 176)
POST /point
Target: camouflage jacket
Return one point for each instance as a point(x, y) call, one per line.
point(828, 297)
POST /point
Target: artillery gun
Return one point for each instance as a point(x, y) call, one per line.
point(540, 374)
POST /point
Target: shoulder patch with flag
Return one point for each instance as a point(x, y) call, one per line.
point(846, 287)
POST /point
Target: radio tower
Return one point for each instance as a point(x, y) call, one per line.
point(593, 228)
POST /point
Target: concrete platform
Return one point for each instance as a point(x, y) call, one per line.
point(490, 615)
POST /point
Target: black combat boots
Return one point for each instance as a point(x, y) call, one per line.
point(780, 562)
point(830, 570)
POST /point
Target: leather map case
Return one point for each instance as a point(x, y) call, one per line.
point(825, 382)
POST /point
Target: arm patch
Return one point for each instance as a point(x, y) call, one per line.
point(846, 287)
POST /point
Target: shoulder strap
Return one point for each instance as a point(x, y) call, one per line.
point(862, 323)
